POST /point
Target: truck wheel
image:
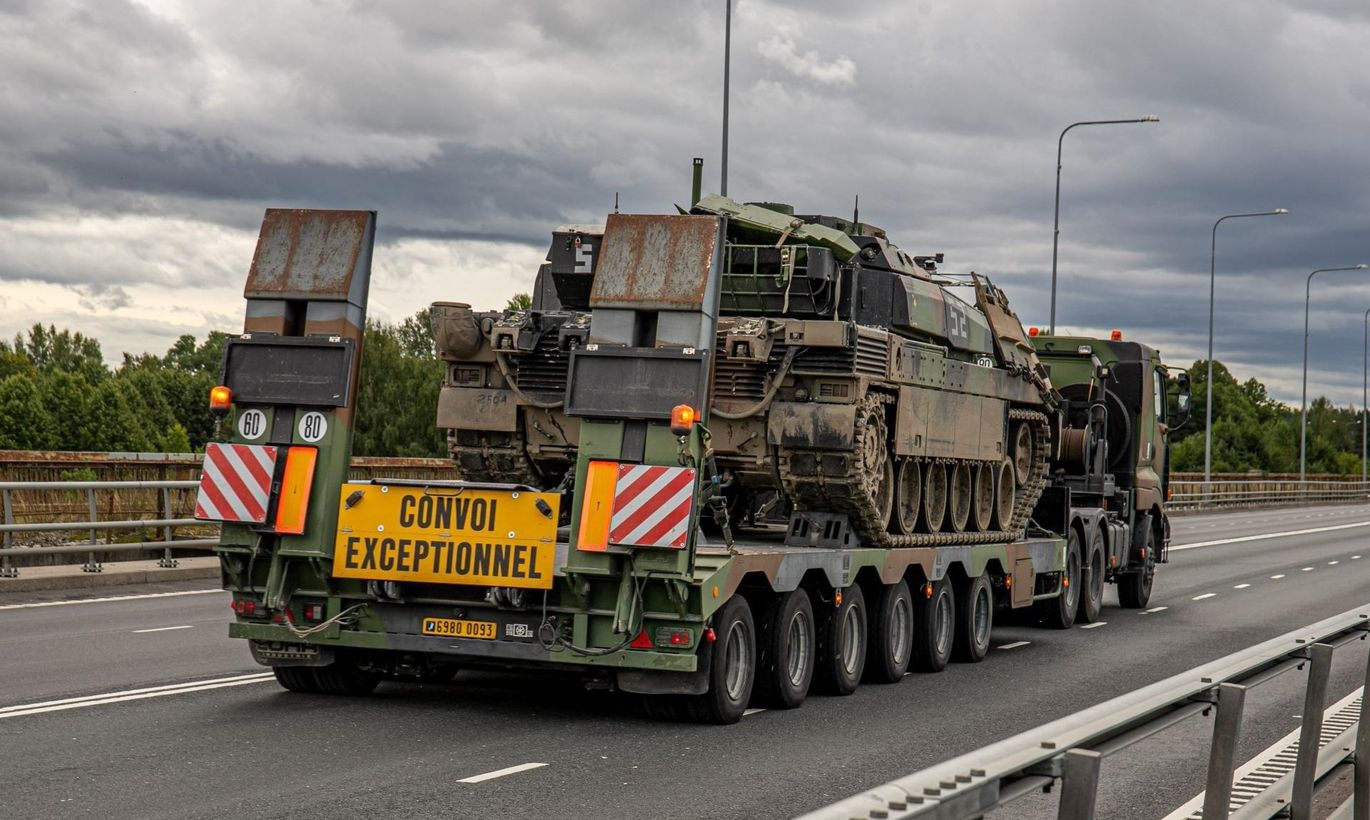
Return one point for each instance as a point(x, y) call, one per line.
point(1134, 588)
point(732, 671)
point(974, 621)
point(1059, 612)
point(785, 661)
point(344, 677)
point(842, 645)
point(935, 628)
point(296, 679)
point(1092, 584)
point(890, 647)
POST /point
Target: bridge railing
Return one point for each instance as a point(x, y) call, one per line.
point(1229, 493)
point(1071, 749)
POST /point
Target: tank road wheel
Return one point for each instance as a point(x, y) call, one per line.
point(785, 661)
point(908, 497)
point(960, 492)
point(842, 644)
point(891, 638)
point(1021, 452)
point(732, 670)
point(1059, 612)
point(344, 677)
point(974, 620)
point(296, 679)
point(934, 496)
point(1134, 588)
point(1092, 582)
point(982, 505)
point(935, 628)
point(1004, 488)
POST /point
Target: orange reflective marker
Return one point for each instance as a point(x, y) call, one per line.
point(597, 506)
point(293, 504)
point(220, 399)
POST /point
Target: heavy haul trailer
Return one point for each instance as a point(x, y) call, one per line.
point(337, 585)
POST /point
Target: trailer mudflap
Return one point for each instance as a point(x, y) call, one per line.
point(661, 682)
point(282, 653)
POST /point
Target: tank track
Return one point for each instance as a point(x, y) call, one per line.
point(490, 457)
point(836, 482)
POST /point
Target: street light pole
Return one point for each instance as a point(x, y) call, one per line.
point(1365, 404)
point(1303, 425)
point(1056, 220)
point(1208, 386)
point(727, 66)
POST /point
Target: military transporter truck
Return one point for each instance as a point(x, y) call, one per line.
point(574, 539)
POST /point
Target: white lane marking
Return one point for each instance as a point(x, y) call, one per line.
point(1095, 625)
point(1153, 609)
point(1333, 563)
point(1306, 569)
point(1203, 596)
point(1015, 644)
point(162, 629)
point(1241, 586)
point(759, 710)
point(1276, 577)
point(481, 778)
point(111, 598)
point(23, 709)
point(1268, 536)
point(1355, 558)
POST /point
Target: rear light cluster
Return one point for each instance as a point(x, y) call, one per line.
point(312, 612)
point(244, 607)
point(664, 636)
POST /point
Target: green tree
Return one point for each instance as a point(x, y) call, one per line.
point(397, 395)
point(24, 422)
point(519, 301)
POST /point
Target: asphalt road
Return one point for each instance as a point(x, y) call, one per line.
point(142, 707)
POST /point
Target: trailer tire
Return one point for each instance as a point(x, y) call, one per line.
point(732, 671)
point(785, 659)
point(1092, 583)
point(890, 648)
point(344, 677)
point(935, 630)
point(974, 621)
point(296, 679)
point(1059, 612)
point(843, 644)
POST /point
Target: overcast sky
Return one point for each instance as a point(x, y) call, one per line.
point(141, 141)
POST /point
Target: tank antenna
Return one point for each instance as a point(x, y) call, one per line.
point(856, 211)
point(727, 60)
point(615, 201)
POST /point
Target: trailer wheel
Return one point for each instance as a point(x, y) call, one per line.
point(732, 671)
point(786, 658)
point(842, 644)
point(974, 621)
point(344, 677)
point(1059, 612)
point(1092, 583)
point(296, 679)
point(935, 629)
point(1134, 588)
point(890, 647)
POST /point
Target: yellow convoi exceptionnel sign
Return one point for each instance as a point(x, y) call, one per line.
point(444, 535)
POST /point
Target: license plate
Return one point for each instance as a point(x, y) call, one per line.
point(447, 535)
point(452, 628)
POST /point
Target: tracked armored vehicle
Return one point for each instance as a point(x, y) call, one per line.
point(855, 393)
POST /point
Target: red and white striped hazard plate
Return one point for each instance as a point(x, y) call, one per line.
point(652, 506)
point(235, 484)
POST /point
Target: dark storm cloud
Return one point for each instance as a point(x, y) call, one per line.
point(487, 120)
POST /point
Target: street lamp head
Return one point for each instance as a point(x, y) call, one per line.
point(1150, 118)
point(1280, 211)
point(1361, 267)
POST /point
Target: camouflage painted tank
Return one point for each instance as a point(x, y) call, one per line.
point(855, 395)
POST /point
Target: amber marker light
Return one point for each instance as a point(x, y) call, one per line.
point(220, 399)
point(1116, 335)
point(683, 418)
point(1032, 331)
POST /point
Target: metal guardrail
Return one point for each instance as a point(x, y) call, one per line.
point(94, 526)
point(1071, 749)
point(1190, 495)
